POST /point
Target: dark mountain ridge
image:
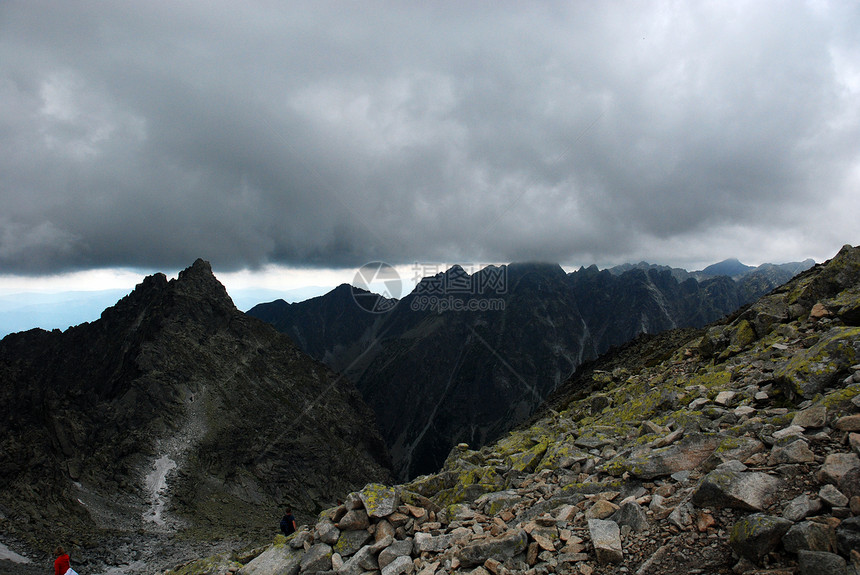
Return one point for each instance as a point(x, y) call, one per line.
point(463, 358)
point(174, 413)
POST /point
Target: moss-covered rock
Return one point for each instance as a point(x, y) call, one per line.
point(687, 454)
point(529, 459)
point(811, 371)
point(754, 536)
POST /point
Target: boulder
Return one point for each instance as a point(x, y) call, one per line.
point(756, 535)
point(379, 500)
point(500, 548)
point(363, 560)
point(354, 520)
point(820, 563)
point(493, 503)
point(632, 515)
point(849, 483)
point(832, 496)
point(848, 423)
point(800, 508)
point(733, 449)
point(836, 465)
point(317, 558)
point(601, 509)
point(811, 417)
point(795, 452)
point(606, 538)
point(397, 549)
point(327, 532)
point(686, 454)
point(812, 370)
point(752, 491)
point(438, 543)
point(809, 536)
point(276, 560)
point(399, 566)
point(351, 541)
point(848, 536)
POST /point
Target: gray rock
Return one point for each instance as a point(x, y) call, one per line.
point(751, 491)
point(493, 503)
point(790, 431)
point(395, 550)
point(733, 465)
point(606, 538)
point(500, 548)
point(328, 532)
point(809, 536)
point(298, 540)
point(800, 508)
point(832, 496)
point(317, 558)
point(363, 560)
point(632, 515)
point(849, 483)
point(735, 449)
point(438, 543)
point(725, 397)
point(351, 541)
point(399, 566)
point(820, 563)
point(353, 501)
point(682, 516)
point(354, 520)
point(811, 418)
point(276, 560)
point(836, 465)
point(688, 453)
point(848, 536)
point(756, 535)
point(795, 452)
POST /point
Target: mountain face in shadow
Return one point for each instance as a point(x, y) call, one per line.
point(464, 358)
point(173, 413)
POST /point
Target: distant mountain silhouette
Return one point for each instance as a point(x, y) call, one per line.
point(496, 343)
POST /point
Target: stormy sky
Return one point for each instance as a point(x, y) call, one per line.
point(330, 134)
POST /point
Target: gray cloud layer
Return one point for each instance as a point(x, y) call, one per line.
point(331, 133)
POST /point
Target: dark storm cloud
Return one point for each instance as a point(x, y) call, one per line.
point(150, 133)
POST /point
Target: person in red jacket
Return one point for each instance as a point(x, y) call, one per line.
point(61, 563)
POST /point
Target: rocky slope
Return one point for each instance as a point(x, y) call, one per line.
point(174, 417)
point(732, 449)
point(476, 354)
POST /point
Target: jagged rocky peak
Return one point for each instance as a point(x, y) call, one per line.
point(199, 281)
point(173, 413)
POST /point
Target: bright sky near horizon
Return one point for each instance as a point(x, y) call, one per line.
point(289, 143)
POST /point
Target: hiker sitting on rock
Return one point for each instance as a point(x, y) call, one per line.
point(288, 522)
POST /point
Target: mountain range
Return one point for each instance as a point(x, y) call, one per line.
point(464, 358)
point(176, 417)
